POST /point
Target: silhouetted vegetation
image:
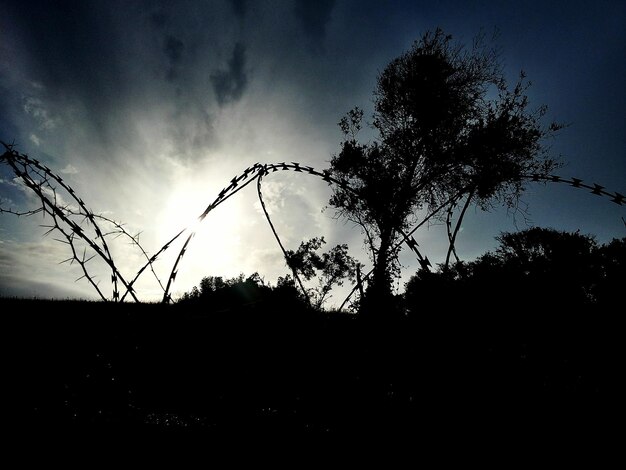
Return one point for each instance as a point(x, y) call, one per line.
point(533, 269)
point(330, 268)
point(514, 340)
point(227, 294)
point(447, 127)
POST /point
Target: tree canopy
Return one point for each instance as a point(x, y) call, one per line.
point(538, 267)
point(447, 126)
point(331, 268)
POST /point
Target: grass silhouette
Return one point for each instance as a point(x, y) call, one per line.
point(281, 367)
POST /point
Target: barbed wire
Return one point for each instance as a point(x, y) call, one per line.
point(294, 271)
point(594, 188)
point(44, 183)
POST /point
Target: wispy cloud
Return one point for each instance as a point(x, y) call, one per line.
point(69, 170)
point(35, 140)
point(240, 8)
point(31, 269)
point(35, 107)
point(230, 83)
point(173, 48)
point(313, 17)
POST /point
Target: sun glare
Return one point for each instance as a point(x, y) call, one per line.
point(216, 242)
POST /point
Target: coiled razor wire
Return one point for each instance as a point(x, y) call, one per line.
point(44, 183)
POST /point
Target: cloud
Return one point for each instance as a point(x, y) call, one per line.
point(159, 19)
point(27, 288)
point(191, 130)
point(313, 17)
point(173, 49)
point(69, 170)
point(230, 84)
point(36, 108)
point(240, 8)
point(35, 140)
point(32, 269)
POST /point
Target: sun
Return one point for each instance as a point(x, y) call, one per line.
point(216, 243)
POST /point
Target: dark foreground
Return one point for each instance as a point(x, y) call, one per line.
point(81, 365)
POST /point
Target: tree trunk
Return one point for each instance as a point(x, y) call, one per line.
point(378, 296)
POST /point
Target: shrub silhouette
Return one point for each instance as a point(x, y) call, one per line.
point(220, 295)
point(555, 270)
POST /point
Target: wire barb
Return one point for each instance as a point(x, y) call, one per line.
point(77, 227)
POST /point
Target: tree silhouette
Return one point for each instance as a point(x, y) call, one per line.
point(541, 263)
point(331, 268)
point(221, 294)
point(447, 127)
point(534, 267)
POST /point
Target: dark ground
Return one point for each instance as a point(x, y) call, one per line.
point(86, 365)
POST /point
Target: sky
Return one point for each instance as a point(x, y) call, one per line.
point(149, 108)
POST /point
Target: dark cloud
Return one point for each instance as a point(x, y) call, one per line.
point(192, 130)
point(230, 84)
point(239, 8)
point(75, 52)
point(173, 49)
point(159, 19)
point(313, 17)
point(70, 44)
point(9, 128)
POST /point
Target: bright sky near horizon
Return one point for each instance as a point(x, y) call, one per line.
point(149, 108)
